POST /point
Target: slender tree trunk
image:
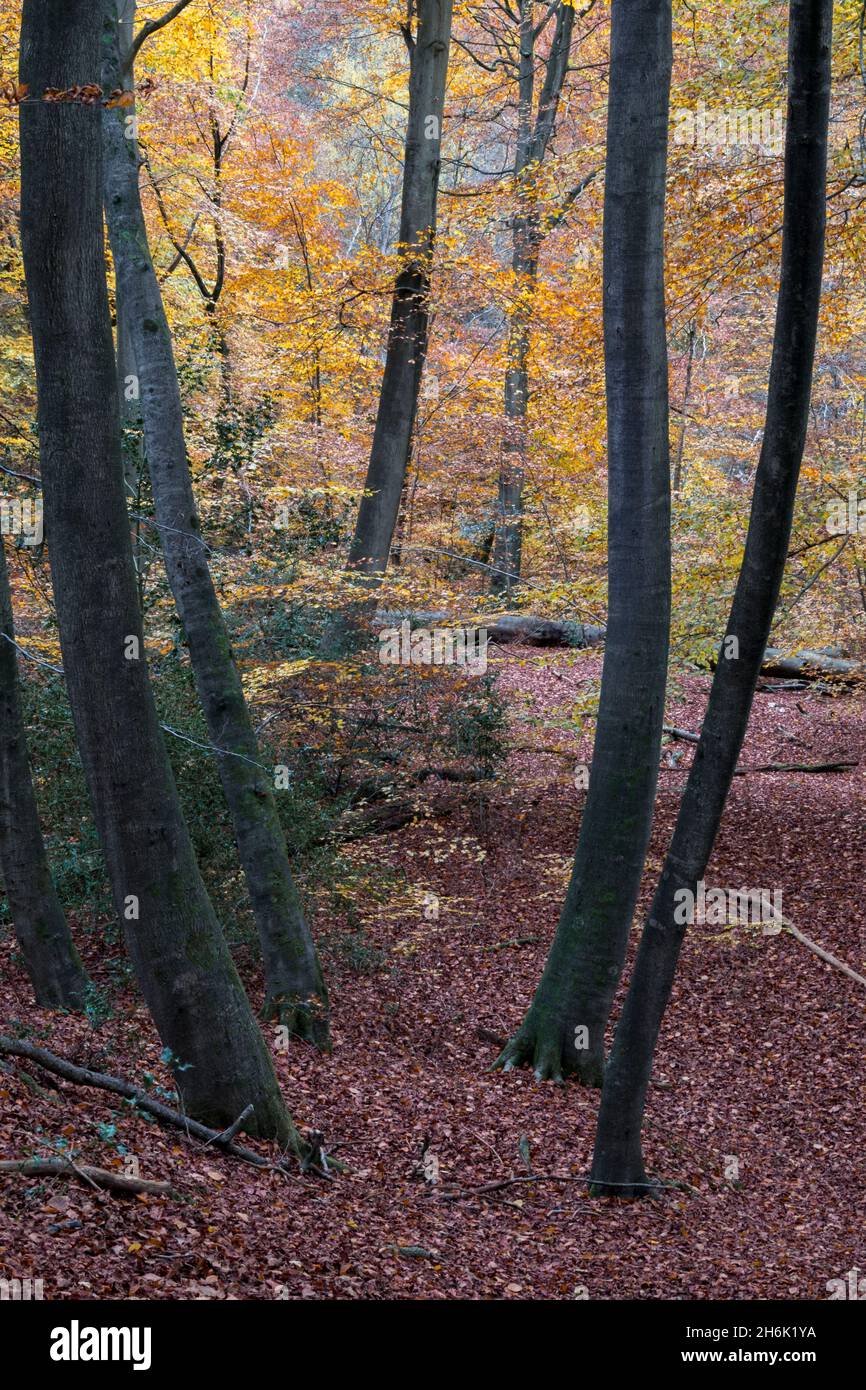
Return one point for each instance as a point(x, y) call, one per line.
point(563, 1031)
point(690, 362)
point(618, 1160)
point(177, 948)
point(50, 957)
point(294, 985)
point(508, 541)
point(407, 338)
point(533, 137)
point(129, 394)
point(130, 406)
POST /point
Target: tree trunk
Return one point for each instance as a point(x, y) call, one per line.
point(177, 948)
point(563, 1031)
point(407, 338)
point(618, 1162)
point(532, 141)
point(50, 957)
point(690, 362)
point(508, 538)
point(294, 985)
point(130, 406)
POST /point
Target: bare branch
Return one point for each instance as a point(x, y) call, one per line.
point(152, 26)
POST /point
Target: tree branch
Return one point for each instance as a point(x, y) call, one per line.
point(152, 26)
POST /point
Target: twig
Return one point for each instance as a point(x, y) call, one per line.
point(229, 1134)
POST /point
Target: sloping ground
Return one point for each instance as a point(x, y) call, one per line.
point(760, 1069)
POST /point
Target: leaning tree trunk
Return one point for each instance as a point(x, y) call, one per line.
point(50, 957)
point(177, 948)
point(618, 1166)
point(295, 992)
point(563, 1032)
point(407, 338)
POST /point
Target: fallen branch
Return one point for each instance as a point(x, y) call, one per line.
point(97, 1177)
point(684, 734)
point(770, 687)
point(82, 1076)
point(842, 765)
point(456, 1194)
point(799, 767)
point(513, 941)
point(568, 754)
point(813, 946)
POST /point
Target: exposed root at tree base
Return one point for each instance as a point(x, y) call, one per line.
point(546, 1060)
point(628, 1188)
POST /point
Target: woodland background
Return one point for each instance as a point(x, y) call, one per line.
point(431, 817)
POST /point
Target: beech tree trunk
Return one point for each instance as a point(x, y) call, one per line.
point(295, 992)
point(50, 957)
point(563, 1032)
point(618, 1162)
point(407, 338)
point(532, 140)
point(177, 948)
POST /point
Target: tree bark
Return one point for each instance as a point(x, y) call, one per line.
point(50, 957)
point(407, 338)
point(177, 948)
point(618, 1161)
point(563, 1031)
point(295, 992)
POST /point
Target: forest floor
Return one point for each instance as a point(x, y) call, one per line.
point(759, 1069)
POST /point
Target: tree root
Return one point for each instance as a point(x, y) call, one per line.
point(643, 1187)
point(545, 1057)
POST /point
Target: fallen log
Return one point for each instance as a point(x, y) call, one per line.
point(505, 628)
point(98, 1177)
point(810, 665)
point(529, 630)
point(542, 632)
